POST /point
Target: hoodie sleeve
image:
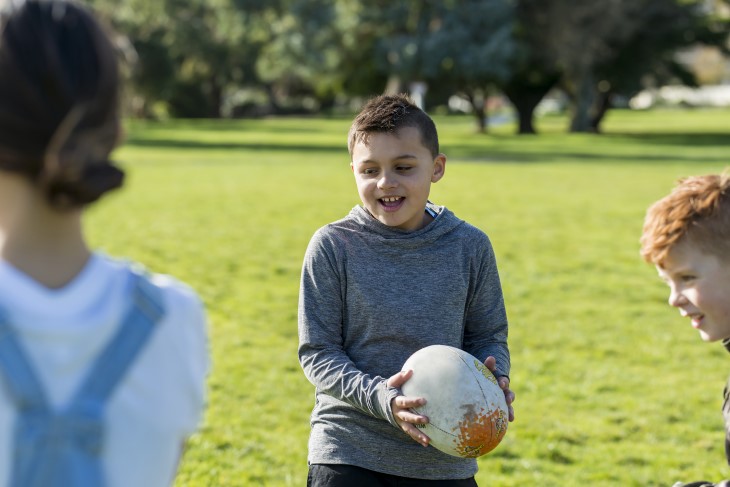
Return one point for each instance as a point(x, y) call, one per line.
point(486, 329)
point(320, 316)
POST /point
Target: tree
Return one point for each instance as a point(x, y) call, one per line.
point(465, 44)
point(308, 50)
point(596, 49)
point(649, 56)
point(600, 47)
point(583, 36)
point(534, 72)
point(470, 48)
point(191, 51)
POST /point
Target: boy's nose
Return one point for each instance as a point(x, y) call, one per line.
point(387, 181)
point(676, 298)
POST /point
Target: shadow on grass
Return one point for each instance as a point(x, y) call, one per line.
point(248, 146)
point(683, 139)
point(665, 149)
point(294, 125)
point(489, 156)
point(511, 149)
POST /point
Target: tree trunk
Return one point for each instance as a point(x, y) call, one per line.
point(603, 105)
point(477, 101)
point(481, 115)
point(524, 103)
point(215, 99)
point(525, 91)
point(585, 96)
point(273, 102)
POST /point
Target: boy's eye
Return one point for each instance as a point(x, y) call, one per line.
point(687, 278)
point(369, 171)
point(404, 168)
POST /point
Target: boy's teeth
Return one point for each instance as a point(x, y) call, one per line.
point(391, 200)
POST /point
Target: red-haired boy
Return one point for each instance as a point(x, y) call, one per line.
point(687, 236)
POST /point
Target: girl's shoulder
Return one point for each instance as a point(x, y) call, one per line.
point(168, 287)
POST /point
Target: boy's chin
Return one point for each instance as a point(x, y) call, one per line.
point(714, 337)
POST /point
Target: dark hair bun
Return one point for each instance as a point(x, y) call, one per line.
point(59, 93)
point(66, 191)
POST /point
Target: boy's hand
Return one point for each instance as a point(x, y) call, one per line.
point(503, 381)
point(401, 406)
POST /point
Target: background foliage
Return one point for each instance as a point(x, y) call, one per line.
point(233, 58)
point(613, 388)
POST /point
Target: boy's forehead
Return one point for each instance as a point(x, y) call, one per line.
point(389, 142)
point(687, 254)
point(671, 260)
point(676, 255)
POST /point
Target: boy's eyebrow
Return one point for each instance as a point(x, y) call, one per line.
point(396, 158)
point(677, 270)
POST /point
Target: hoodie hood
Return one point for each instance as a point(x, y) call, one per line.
point(444, 222)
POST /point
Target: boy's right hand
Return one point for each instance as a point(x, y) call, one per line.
point(401, 406)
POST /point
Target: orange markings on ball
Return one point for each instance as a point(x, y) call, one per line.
point(480, 433)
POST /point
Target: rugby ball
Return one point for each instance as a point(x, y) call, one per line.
point(465, 406)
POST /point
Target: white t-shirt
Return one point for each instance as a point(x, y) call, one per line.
point(160, 400)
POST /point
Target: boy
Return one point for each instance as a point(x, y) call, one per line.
point(395, 275)
point(687, 236)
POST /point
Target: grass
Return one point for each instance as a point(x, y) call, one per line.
point(613, 388)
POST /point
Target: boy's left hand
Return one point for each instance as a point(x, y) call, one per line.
point(503, 382)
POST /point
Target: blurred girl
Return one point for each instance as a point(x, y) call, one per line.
point(102, 366)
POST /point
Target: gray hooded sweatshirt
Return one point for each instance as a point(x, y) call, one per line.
point(371, 295)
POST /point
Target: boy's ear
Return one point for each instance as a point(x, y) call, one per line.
point(439, 168)
point(352, 166)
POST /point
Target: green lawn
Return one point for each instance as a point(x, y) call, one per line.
point(613, 388)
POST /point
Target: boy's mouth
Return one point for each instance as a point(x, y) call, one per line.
point(391, 203)
point(695, 317)
point(697, 320)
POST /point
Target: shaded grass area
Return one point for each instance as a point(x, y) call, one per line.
point(613, 388)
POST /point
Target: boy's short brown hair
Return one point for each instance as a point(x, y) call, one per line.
point(698, 210)
point(390, 113)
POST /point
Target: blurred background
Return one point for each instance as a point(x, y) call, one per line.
point(499, 60)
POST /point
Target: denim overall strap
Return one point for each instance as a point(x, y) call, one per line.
point(22, 383)
point(112, 364)
point(25, 392)
point(63, 448)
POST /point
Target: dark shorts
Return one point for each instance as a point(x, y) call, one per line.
point(350, 476)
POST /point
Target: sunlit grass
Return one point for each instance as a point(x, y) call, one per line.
point(613, 388)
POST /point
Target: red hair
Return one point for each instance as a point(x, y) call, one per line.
point(697, 210)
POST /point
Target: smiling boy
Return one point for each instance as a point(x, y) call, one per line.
point(687, 236)
point(395, 275)
point(393, 174)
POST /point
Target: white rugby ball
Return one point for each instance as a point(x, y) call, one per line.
point(466, 409)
